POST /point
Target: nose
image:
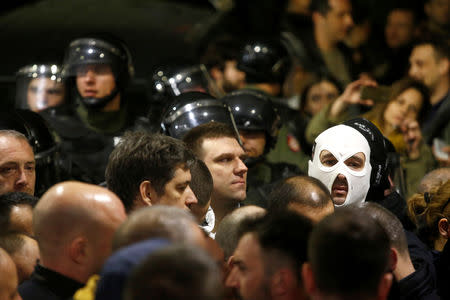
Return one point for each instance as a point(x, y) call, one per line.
point(413, 71)
point(240, 168)
point(232, 280)
point(22, 179)
point(189, 197)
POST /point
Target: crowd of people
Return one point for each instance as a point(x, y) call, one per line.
point(302, 165)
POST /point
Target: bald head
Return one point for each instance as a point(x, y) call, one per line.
point(159, 221)
point(71, 215)
point(434, 179)
point(8, 278)
point(302, 194)
point(227, 231)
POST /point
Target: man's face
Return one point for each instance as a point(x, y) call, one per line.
point(8, 279)
point(338, 20)
point(319, 96)
point(341, 161)
point(21, 219)
point(399, 28)
point(233, 79)
point(247, 273)
point(17, 166)
point(95, 81)
point(438, 11)
point(339, 189)
point(253, 141)
point(424, 66)
point(43, 93)
point(223, 157)
point(177, 191)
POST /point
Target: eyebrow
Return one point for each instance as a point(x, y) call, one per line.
point(328, 155)
point(356, 158)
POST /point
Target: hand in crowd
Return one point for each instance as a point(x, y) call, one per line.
point(351, 95)
point(412, 137)
point(442, 162)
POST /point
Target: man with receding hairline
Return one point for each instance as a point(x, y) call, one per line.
point(74, 224)
point(17, 164)
point(305, 195)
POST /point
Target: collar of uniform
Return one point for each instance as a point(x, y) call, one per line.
point(104, 122)
point(59, 284)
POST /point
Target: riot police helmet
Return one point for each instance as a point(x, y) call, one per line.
point(50, 168)
point(192, 109)
point(254, 111)
point(264, 61)
point(39, 86)
point(92, 51)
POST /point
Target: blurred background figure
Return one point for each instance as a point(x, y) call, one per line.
point(39, 87)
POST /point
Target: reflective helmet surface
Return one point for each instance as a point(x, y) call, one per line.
point(264, 61)
point(189, 79)
point(192, 109)
point(253, 110)
point(39, 87)
point(95, 51)
point(35, 128)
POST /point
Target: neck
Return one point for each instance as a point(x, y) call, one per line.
point(439, 244)
point(440, 90)
point(272, 89)
point(324, 43)
point(113, 105)
point(221, 208)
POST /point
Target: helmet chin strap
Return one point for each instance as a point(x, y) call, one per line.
point(99, 103)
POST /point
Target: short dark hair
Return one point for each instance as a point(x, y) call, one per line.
point(390, 223)
point(11, 242)
point(441, 47)
point(142, 156)
point(220, 50)
point(7, 201)
point(227, 233)
point(320, 6)
point(201, 182)
point(297, 189)
point(194, 138)
point(281, 234)
point(177, 272)
point(348, 252)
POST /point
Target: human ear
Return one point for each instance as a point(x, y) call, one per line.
point(78, 250)
point(146, 193)
point(443, 228)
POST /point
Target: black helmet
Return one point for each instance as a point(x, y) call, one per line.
point(253, 110)
point(94, 51)
point(39, 87)
point(264, 61)
point(50, 168)
point(194, 78)
point(192, 109)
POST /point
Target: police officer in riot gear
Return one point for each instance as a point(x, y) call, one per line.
point(191, 109)
point(258, 123)
point(51, 165)
point(39, 87)
point(100, 70)
point(97, 71)
point(266, 64)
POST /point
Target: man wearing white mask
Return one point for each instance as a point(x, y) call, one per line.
point(351, 160)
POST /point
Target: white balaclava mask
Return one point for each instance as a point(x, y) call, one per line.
point(343, 142)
